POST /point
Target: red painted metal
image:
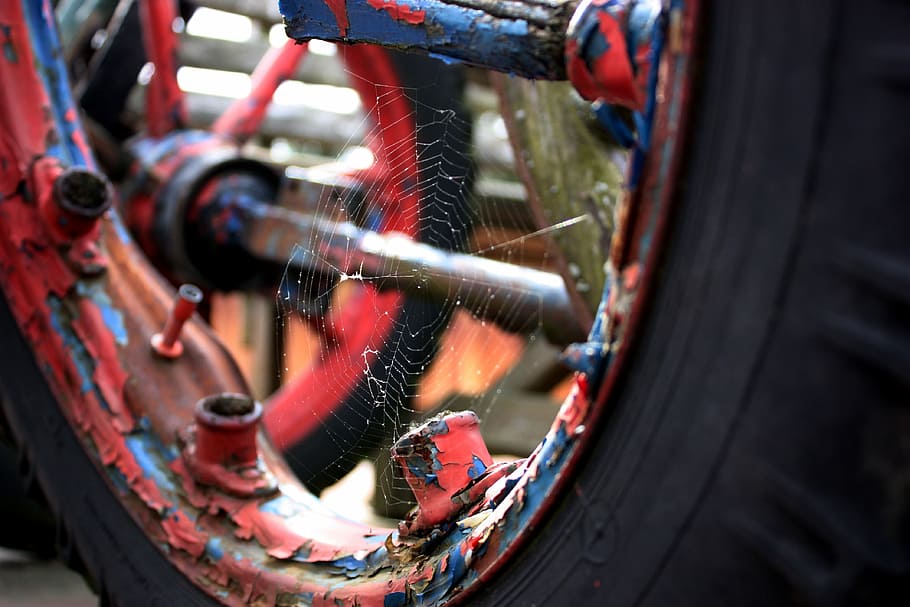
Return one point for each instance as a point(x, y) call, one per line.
point(340, 11)
point(610, 73)
point(301, 405)
point(439, 460)
point(167, 343)
point(165, 105)
point(79, 198)
point(220, 451)
point(399, 12)
point(226, 430)
point(242, 119)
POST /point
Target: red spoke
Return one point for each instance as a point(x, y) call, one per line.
point(243, 117)
point(165, 106)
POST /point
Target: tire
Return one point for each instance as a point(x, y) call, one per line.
point(755, 451)
point(755, 447)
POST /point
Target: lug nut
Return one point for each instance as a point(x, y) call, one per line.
point(220, 451)
point(80, 198)
point(167, 343)
point(226, 429)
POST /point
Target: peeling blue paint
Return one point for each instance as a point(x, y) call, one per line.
point(50, 66)
point(459, 33)
point(84, 362)
point(111, 316)
point(353, 567)
point(148, 457)
point(477, 467)
point(213, 549)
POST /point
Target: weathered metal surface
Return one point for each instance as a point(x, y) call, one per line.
point(220, 451)
point(610, 50)
point(448, 467)
point(522, 38)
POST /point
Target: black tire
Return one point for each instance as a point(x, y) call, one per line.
point(755, 452)
point(756, 448)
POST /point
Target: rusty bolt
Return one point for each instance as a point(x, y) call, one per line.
point(81, 197)
point(226, 429)
point(167, 343)
point(220, 450)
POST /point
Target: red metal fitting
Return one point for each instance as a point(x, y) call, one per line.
point(167, 343)
point(220, 449)
point(448, 467)
point(78, 198)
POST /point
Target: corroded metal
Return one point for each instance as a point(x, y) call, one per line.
point(448, 467)
point(220, 449)
point(522, 38)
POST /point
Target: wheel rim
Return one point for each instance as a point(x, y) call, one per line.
point(76, 317)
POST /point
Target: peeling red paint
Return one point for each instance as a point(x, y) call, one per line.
point(68, 333)
point(182, 534)
point(399, 12)
point(109, 374)
point(270, 531)
point(608, 77)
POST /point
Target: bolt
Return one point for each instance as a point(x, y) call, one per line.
point(81, 197)
point(167, 343)
point(226, 430)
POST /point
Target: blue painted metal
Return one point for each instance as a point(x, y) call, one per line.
point(48, 54)
point(466, 34)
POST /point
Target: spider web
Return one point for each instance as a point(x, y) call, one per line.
point(383, 337)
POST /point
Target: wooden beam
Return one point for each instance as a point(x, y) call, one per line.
point(261, 10)
point(243, 57)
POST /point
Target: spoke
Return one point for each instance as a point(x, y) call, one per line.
point(243, 117)
point(165, 105)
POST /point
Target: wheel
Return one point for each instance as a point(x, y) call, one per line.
point(325, 431)
point(745, 443)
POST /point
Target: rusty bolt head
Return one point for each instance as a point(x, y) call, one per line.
point(82, 193)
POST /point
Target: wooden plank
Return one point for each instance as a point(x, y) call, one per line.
point(571, 168)
point(261, 10)
point(243, 57)
point(302, 123)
